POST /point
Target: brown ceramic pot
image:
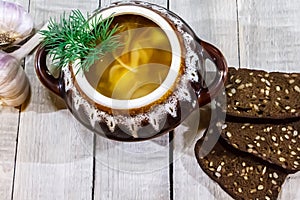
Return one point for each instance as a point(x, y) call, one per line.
point(184, 89)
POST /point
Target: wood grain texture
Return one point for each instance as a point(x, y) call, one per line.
point(269, 34)
point(8, 136)
point(215, 22)
point(9, 118)
point(269, 40)
point(57, 158)
point(52, 162)
point(132, 170)
point(189, 178)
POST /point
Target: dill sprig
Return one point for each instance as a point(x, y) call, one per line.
point(74, 37)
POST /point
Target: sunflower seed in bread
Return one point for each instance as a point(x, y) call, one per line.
point(241, 176)
point(259, 94)
point(276, 143)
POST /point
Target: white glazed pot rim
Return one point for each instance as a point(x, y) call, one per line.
point(157, 94)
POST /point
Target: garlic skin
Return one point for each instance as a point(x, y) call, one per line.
point(15, 23)
point(14, 84)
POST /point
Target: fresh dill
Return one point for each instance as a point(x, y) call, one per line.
point(75, 37)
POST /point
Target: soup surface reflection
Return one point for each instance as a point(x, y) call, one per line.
point(139, 66)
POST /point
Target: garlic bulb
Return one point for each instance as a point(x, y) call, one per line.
point(14, 85)
point(15, 23)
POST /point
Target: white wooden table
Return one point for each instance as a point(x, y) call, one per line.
point(46, 154)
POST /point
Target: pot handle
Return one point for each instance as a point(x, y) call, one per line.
point(44, 74)
point(207, 94)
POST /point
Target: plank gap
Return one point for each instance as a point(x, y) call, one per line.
point(171, 160)
point(94, 166)
point(28, 8)
point(18, 131)
point(94, 150)
point(238, 33)
point(16, 153)
point(171, 147)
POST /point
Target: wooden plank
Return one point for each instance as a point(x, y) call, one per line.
point(9, 118)
point(270, 40)
point(213, 21)
point(216, 22)
point(8, 136)
point(188, 177)
point(269, 34)
point(105, 3)
point(55, 163)
point(132, 170)
point(52, 160)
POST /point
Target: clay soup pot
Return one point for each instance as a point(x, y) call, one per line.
point(183, 90)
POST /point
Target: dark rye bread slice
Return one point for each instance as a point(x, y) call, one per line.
point(241, 176)
point(276, 143)
point(259, 94)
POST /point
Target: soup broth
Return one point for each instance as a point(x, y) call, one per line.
point(140, 65)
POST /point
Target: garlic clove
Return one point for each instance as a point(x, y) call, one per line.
point(15, 23)
point(14, 84)
point(13, 87)
point(16, 101)
point(7, 69)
